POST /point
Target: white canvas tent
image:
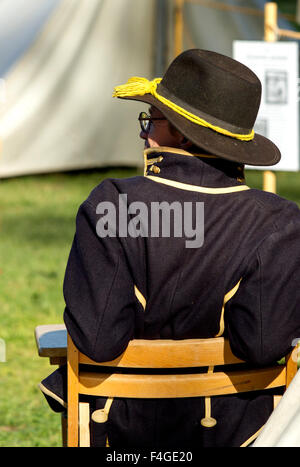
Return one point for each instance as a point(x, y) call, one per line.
point(59, 113)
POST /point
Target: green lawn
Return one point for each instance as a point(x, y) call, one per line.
point(37, 221)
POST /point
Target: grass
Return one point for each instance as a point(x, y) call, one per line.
point(288, 183)
point(37, 222)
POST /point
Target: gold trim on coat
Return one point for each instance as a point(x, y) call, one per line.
point(53, 395)
point(196, 188)
point(227, 297)
point(252, 438)
point(140, 297)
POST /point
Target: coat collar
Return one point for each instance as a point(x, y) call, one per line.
point(178, 167)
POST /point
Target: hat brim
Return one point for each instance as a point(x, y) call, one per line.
point(260, 151)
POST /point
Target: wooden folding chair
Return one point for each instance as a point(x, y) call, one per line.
point(166, 354)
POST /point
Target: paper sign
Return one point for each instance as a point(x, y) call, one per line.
point(276, 65)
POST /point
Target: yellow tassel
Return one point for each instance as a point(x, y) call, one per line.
point(138, 86)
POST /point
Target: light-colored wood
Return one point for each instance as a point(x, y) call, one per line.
point(160, 353)
point(271, 24)
point(288, 33)
point(270, 35)
point(291, 365)
point(73, 394)
point(180, 386)
point(270, 21)
point(52, 343)
point(185, 353)
point(84, 424)
point(219, 5)
point(269, 181)
point(178, 27)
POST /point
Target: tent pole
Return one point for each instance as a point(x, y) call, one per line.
point(178, 27)
point(270, 35)
point(160, 38)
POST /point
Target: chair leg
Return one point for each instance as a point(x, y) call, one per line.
point(84, 424)
point(73, 397)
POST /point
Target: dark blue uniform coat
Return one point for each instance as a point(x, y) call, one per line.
point(242, 281)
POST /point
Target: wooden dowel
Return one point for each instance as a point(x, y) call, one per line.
point(269, 181)
point(178, 27)
point(271, 30)
point(270, 25)
point(287, 33)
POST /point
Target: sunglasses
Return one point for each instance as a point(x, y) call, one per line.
point(145, 121)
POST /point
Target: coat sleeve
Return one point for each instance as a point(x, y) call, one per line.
point(263, 318)
point(98, 289)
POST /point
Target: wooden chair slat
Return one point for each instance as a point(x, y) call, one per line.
point(187, 353)
point(168, 354)
point(180, 386)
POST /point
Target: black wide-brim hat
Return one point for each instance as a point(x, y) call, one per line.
point(213, 100)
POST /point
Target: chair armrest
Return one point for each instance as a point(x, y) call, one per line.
point(51, 340)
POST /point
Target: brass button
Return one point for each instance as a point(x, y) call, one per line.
point(154, 169)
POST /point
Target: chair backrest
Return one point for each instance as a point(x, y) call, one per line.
point(168, 354)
